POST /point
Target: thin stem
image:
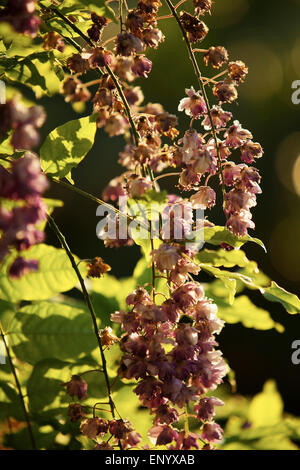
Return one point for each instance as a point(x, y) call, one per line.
point(96, 199)
point(199, 50)
point(92, 82)
point(91, 370)
point(72, 26)
point(178, 4)
point(152, 265)
point(213, 79)
point(199, 78)
point(88, 301)
point(165, 175)
point(72, 43)
point(108, 40)
point(164, 17)
point(125, 102)
point(14, 372)
point(186, 421)
point(121, 15)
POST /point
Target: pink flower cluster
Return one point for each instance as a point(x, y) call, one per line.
point(171, 349)
point(24, 185)
point(24, 123)
point(198, 157)
point(118, 430)
point(21, 15)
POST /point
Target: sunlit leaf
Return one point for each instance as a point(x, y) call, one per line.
point(67, 145)
point(244, 311)
point(218, 258)
point(55, 274)
point(266, 407)
point(217, 235)
point(51, 330)
point(275, 293)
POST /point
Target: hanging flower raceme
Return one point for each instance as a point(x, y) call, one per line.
point(23, 122)
point(23, 183)
point(171, 349)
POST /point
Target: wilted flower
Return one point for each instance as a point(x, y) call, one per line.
point(152, 37)
point(205, 198)
point(119, 428)
point(250, 151)
point(128, 44)
point(74, 90)
point(76, 411)
point(237, 71)
point(78, 64)
point(225, 91)
point(162, 435)
point(108, 338)
point(53, 40)
point(219, 117)
point(165, 257)
point(202, 6)
point(196, 29)
point(141, 66)
point(216, 56)
point(76, 387)
point(97, 267)
point(99, 57)
point(93, 427)
point(21, 15)
point(212, 432)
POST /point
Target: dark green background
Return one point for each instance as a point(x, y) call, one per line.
point(266, 35)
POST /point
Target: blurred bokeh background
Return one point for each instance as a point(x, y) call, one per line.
point(266, 36)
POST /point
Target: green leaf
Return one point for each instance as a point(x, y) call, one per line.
point(81, 10)
point(55, 275)
point(39, 70)
point(257, 280)
point(67, 145)
point(218, 258)
point(275, 293)
point(109, 294)
point(7, 312)
point(244, 311)
point(50, 330)
point(100, 7)
point(266, 408)
point(45, 392)
point(217, 235)
point(10, 404)
point(44, 438)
